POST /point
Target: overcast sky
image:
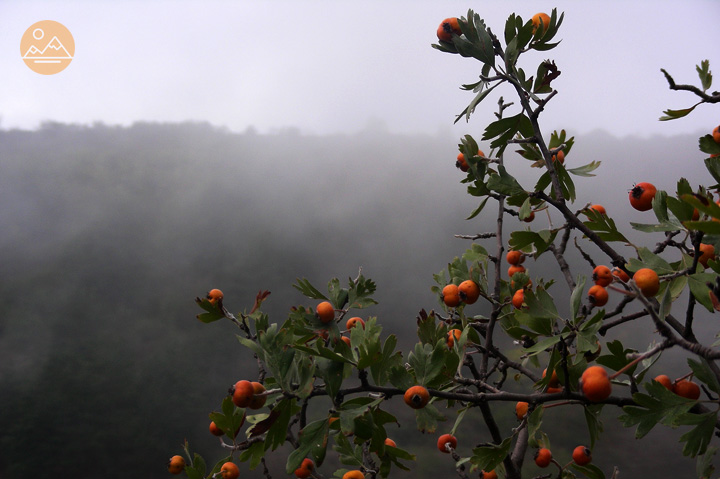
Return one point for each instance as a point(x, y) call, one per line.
point(339, 66)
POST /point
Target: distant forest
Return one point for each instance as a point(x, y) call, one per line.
point(107, 234)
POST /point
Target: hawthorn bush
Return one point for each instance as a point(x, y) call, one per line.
point(496, 336)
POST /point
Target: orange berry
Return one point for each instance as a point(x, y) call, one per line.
point(641, 196)
point(355, 474)
point(453, 335)
point(242, 393)
point(599, 208)
point(581, 456)
point(540, 17)
point(469, 291)
point(488, 475)
point(515, 257)
point(305, 470)
point(325, 312)
point(521, 409)
point(687, 389)
point(446, 440)
point(598, 295)
point(229, 471)
point(515, 269)
point(451, 295)
point(597, 371)
point(595, 384)
point(543, 457)
point(602, 275)
point(258, 400)
point(554, 380)
point(346, 340)
point(665, 381)
point(390, 442)
point(176, 464)
point(352, 322)
point(530, 217)
point(215, 430)
point(707, 252)
point(716, 134)
point(215, 296)
point(462, 163)
point(518, 299)
point(621, 275)
point(447, 28)
point(552, 390)
point(416, 397)
point(648, 281)
point(559, 156)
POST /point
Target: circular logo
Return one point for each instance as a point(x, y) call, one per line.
point(47, 47)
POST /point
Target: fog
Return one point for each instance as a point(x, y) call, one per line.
point(328, 66)
point(110, 232)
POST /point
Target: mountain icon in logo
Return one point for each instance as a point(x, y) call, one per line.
point(54, 50)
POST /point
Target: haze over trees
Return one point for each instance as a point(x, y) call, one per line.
point(107, 234)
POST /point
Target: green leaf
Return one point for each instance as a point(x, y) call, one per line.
point(210, 317)
point(675, 114)
point(595, 426)
point(566, 183)
point(478, 36)
point(657, 228)
point(661, 405)
point(478, 209)
point(585, 170)
point(603, 226)
point(705, 467)
point(360, 292)
point(542, 345)
point(707, 144)
point(648, 259)
point(534, 424)
point(541, 240)
point(252, 345)
point(504, 183)
point(307, 289)
point(489, 457)
point(380, 370)
point(705, 75)
point(577, 296)
point(504, 130)
point(332, 373)
point(617, 359)
point(277, 433)
point(702, 372)
point(311, 435)
point(590, 470)
point(698, 283)
point(427, 418)
point(199, 463)
point(697, 440)
point(470, 109)
point(709, 227)
point(424, 363)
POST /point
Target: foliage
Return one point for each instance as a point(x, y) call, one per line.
point(361, 373)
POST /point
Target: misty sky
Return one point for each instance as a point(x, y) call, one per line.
point(340, 66)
